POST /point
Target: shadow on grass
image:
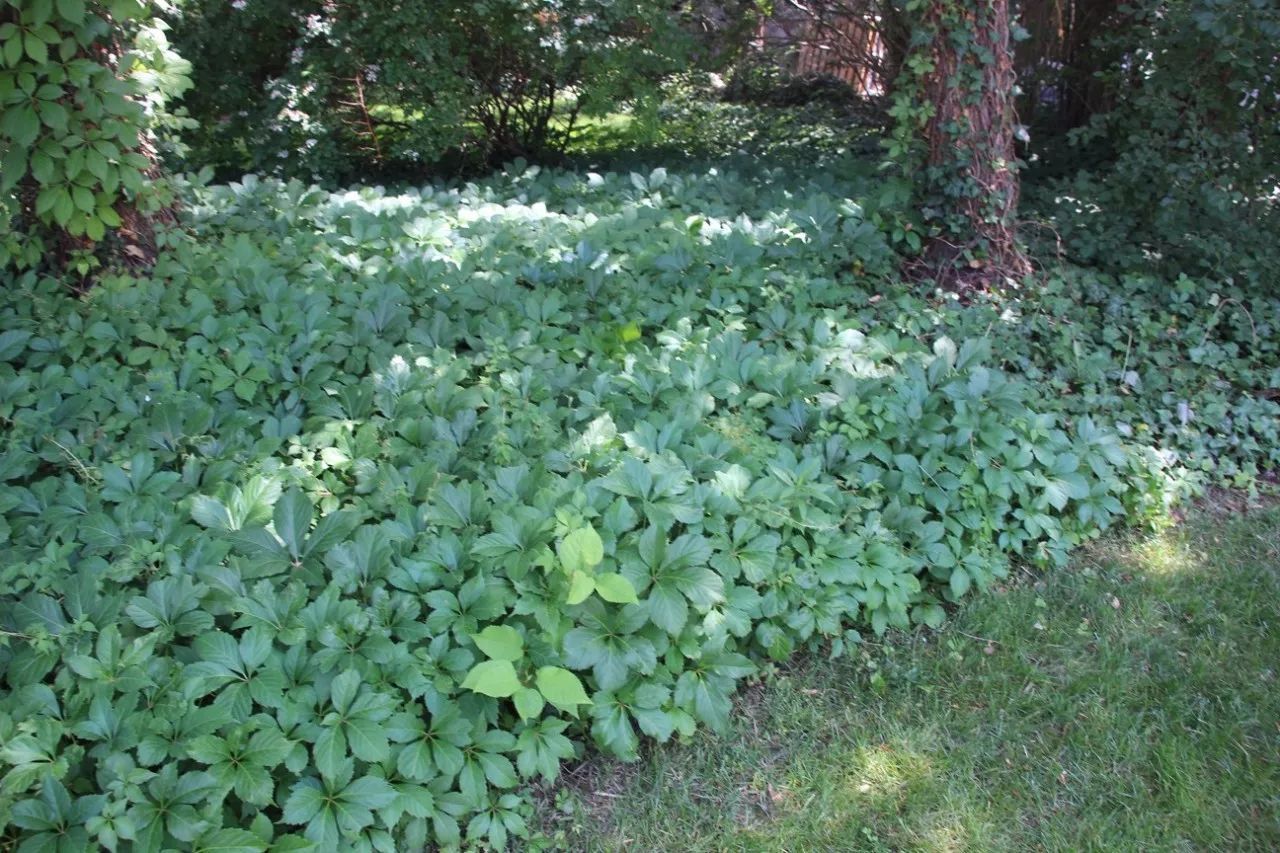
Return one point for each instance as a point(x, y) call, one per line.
point(1128, 702)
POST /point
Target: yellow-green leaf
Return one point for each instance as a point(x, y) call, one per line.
point(495, 678)
point(561, 687)
point(581, 549)
point(528, 702)
point(613, 587)
point(580, 586)
point(500, 642)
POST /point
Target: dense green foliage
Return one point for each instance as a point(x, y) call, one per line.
point(363, 510)
point(1180, 171)
point(1124, 703)
point(80, 85)
point(1173, 102)
point(334, 91)
point(367, 506)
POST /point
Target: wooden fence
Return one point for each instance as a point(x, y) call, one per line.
point(840, 39)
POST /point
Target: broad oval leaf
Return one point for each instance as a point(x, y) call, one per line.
point(615, 588)
point(580, 550)
point(500, 642)
point(561, 687)
point(495, 678)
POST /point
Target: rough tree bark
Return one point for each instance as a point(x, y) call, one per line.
point(969, 139)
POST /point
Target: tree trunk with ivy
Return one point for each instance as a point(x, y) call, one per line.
point(962, 108)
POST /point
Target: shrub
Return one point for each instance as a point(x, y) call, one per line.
point(81, 85)
point(367, 508)
point(334, 92)
point(762, 80)
point(1179, 176)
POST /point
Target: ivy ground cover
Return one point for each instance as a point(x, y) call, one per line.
point(368, 509)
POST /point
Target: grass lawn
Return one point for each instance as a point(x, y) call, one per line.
point(1129, 702)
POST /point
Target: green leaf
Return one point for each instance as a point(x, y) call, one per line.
point(580, 587)
point(940, 555)
point(495, 678)
point(269, 747)
point(930, 614)
point(229, 840)
point(1057, 493)
point(36, 49)
point(367, 740)
point(343, 689)
point(500, 642)
point(668, 609)
point(292, 520)
point(13, 343)
point(13, 50)
point(72, 11)
point(83, 198)
point(21, 122)
point(614, 588)
point(415, 762)
point(581, 550)
point(329, 531)
point(370, 792)
point(306, 800)
point(561, 687)
point(528, 703)
point(612, 730)
point(330, 752)
point(219, 648)
point(208, 749)
point(210, 512)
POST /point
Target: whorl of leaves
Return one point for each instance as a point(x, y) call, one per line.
point(369, 509)
point(81, 84)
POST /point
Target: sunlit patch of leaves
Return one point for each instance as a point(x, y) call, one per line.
point(368, 509)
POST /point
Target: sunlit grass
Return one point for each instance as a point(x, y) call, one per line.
point(1166, 554)
point(595, 133)
point(1128, 702)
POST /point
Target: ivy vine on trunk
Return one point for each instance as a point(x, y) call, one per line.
point(955, 117)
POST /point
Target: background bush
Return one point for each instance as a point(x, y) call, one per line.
point(333, 92)
point(407, 496)
point(1179, 172)
point(82, 86)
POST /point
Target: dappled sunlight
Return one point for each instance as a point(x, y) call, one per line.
point(860, 784)
point(1166, 553)
point(945, 833)
point(736, 428)
point(885, 770)
point(553, 453)
point(1152, 732)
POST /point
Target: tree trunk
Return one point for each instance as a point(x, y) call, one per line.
point(969, 139)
